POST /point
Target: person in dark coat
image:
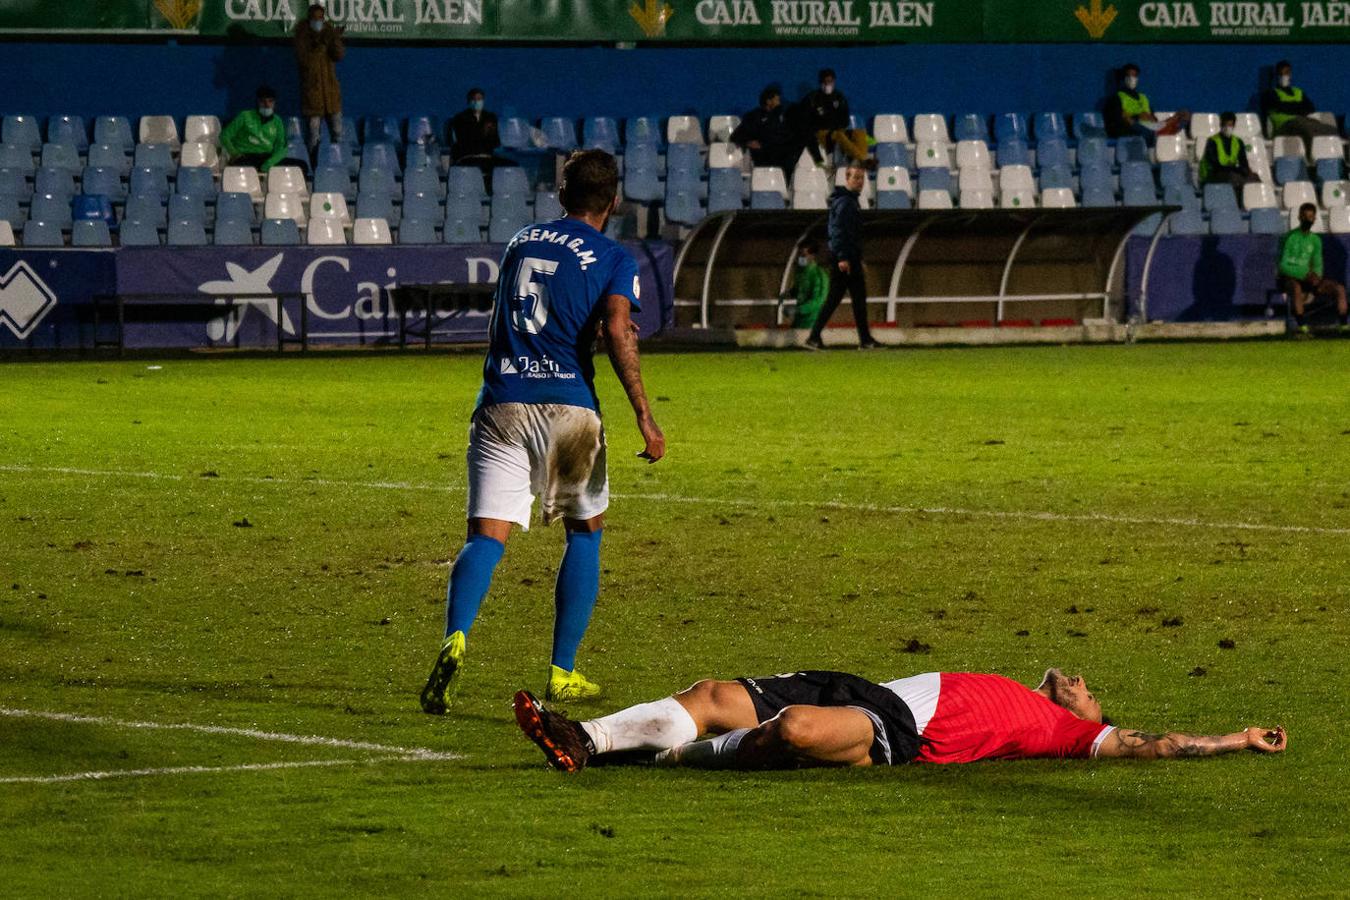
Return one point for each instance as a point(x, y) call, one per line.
point(765, 132)
point(318, 50)
point(846, 245)
point(474, 137)
point(827, 121)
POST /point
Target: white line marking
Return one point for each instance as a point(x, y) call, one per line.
point(179, 770)
point(1025, 515)
point(420, 753)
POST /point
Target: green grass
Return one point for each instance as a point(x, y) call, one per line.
point(807, 516)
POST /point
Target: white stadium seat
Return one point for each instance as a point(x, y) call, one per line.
point(159, 130)
point(721, 127)
point(723, 155)
point(1339, 220)
point(894, 178)
point(684, 130)
point(1259, 196)
point(931, 127)
point(371, 232)
point(6, 234)
point(1016, 178)
point(1203, 125)
point(1289, 145)
point(938, 199)
point(285, 206)
point(1170, 147)
point(973, 155)
point(1248, 127)
point(768, 178)
point(202, 128)
point(1327, 146)
point(1297, 193)
point(977, 199)
point(1333, 194)
point(932, 155)
point(975, 180)
point(810, 198)
point(1017, 198)
point(329, 206)
point(242, 180)
point(287, 180)
point(200, 153)
point(1259, 161)
point(890, 129)
point(326, 232)
point(810, 178)
point(1058, 198)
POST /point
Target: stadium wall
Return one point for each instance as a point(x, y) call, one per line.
point(100, 77)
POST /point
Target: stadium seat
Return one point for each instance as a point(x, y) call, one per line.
point(235, 205)
point(973, 154)
point(287, 180)
point(334, 180)
point(1017, 198)
point(977, 199)
point(890, 128)
point(1326, 147)
point(458, 231)
point(242, 180)
point(1136, 173)
point(1227, 221)
point(1248, 127)
point(97, 207)
point(6, 234)
point(1257, 196)
point(721, 127)
point(424, 131)
point(372, 232)
point(1333, 194)
point(1131, 149)
point(424, 156)
point(684, 165)
point(767, 200)
point(1098, 196)
point(684, 130)
point(1016, 178)
point(1297, 193)
point(931, 155)
point(1092, 151)
point(931, 128)
point(233, 233)
point(1140, 195)
point(515, 134)
point(325, 232)
point(51, 208)
point(376, 181)
point(1188, 222)
point(975, 180)
point(1056, 177)
point(60, 156)
point(1330, 170)
point(1170, 147)
point(201, 129)
point(378, 206)
point(384, 130)
point(1338, 220)
point(933, 199)
point(423, 180)
point(768, 179)
point(1097, 175)
point(972, 127)
point(1052, 153)
point(1184, 197)
point(103, 181)
point(1010, 127)
point(546, 206)
point(196, 181)
point(155, 156)
point(509, 214)
point(109, 156)
point(1050, 125)
point(280, 233)
point(510, 181)
point(21, 131)
point(1176, 173)
point(421, 206)
point(285, 206)
point(187, 208)
point(41, 233)
point(200, 154)
point(722, 155)
point(147, 208)
point(338, 156)
point(642, 131)
point(892, 154)
point(1219, 196)
point(1290, 145)
point(601, 133)
point(418, 231)
point(1014, 152)
point(114, 131)
point(894, 190)
point(68, 130)
point(1267, 220)
point(640, 179)
point(1057, 198)
point(135, 233)
point(1291, 222)
point(1203, 127)
point(54, 181)
point(560, 133)
point(1088, 125)
point(465, 181)
point(726, 190)
point(811, 179)
point(329, 206)
point(936, 180)
point(682, 205)
point(90, 233)
point(11, 212)
point(380, 155)
point(159, 130)
point(14, 183)
point(186, 233)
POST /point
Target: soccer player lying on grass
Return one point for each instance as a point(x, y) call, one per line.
point(834, 719)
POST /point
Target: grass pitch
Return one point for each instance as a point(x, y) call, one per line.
point(260, 547)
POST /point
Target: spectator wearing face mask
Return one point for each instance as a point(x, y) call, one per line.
point(473, 136)
point(256, 137)
point(1225, 159)
point(1300, 269)
point(318, 50)
point(766, 133)
point(813, 285)
point(1289, 110)
point(825, 111)
point(1128, 111)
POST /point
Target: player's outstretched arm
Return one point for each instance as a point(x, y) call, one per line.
point(621, 340)
point(1174, 744)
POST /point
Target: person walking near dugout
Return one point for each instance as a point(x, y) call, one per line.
point(845, 231)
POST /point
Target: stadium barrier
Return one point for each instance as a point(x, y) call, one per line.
point(923, 267)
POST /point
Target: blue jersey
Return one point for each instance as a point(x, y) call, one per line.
point(550, 295)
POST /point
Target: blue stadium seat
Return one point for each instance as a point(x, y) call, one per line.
point(1268, 221)
point(68, 130)
point(337, 155)
point(1050, 125)
point(560, 133)
point(1181, 196)
point(1097, 174)
point(1131, 149)
point(93, 206)
point(295, 129)
point(1188, 222)
point(1136, 172)
point(14, 183)
point(470, 209)
point(61, 156)
point(600, 133)
point(424, 131)
point(187, 233)
point(1093, 151)
point(334, 180)
point(1056, 177)
point(682, 206)
point(424, 180)
point(726, 190)
point(465, 181)
point(1290, 168)
point(280, 233)
point(1330, 170)
point(232, 233)
point(1010, 127)
point(1052, 153)
point(514, 133)
point(197, 181)
point(109, 156)
point(642, 130)
point(1227, 221)
point(1011, 152)
point(424, 156)
point(1148, 226)
point(383, 129)
point(90, 233)
point(378, 205)
point(51, 208)
point(135, 233)
point(641, 181)
point(510, 213)
point(1089, 125)
point(21, 131)
point(349, 133)
point(1220, 196)
point(683, 160)
point(1097, 195)
point(892, 153)
point(971, 127)
point(103, 181)
point(149, 181)
point(41, 233)
point(187, 208)
point(115, 131)
point(894, 200)
point(380, 155)
point(546, 206)
point(233, 205)
point(510, 181)
point(12, 156)
point(421, 205)
point(462, 231)
point(146, 208)
point(11, 212)
point(1176, 173)
point(377, 181)
point(1140, 195)
point(422, 231)
point(767, 200)
point(155, 156)
point(54, 181)
point(935, 180)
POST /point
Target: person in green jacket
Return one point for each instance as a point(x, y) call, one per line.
point(1301, 269)
point(813, 285)
point(256, 138)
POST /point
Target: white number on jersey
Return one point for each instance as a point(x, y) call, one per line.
point(529, 302)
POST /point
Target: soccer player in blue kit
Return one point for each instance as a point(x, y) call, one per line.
point(536, 430)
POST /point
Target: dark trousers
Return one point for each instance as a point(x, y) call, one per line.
point(856, 285)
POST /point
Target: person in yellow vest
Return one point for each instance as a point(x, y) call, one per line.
point(1128, 111)
point(1289, 110)
point(1225, 159)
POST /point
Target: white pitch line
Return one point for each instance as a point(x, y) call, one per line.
point(420, 753)
point(740, 502)
point(179, 770)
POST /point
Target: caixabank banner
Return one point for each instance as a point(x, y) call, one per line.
point(710, 21)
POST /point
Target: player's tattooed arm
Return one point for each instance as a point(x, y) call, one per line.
point(620, 334)
point(1176, 745)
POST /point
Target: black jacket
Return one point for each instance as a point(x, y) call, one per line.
point(845, 225)
point(826, 112)
point(768, 126)
point(473, 135)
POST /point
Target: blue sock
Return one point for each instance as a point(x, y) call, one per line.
point(574, 597)
point(470, 579)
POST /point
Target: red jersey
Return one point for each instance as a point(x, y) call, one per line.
point(964, 717)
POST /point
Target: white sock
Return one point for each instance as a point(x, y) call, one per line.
point(658, 725)
point(714, 753)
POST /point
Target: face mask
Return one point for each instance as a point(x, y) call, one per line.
point(802, 262)
point(1305, 224)
point(1131, 82)
point(316, 24)
point(1286, 80)
point(1226, 131)
point(266, 112)
point(476, 105)
point(828, 88)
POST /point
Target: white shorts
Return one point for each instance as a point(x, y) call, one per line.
point(519, 451)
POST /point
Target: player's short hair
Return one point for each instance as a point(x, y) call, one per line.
point(823, 74)
point(1305, 207)
point(1282, 65)
point(1227, 118)
point(265, 92)
point(1128, 68)
point(472, 91)
point(769, 93)
point(590, 182)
